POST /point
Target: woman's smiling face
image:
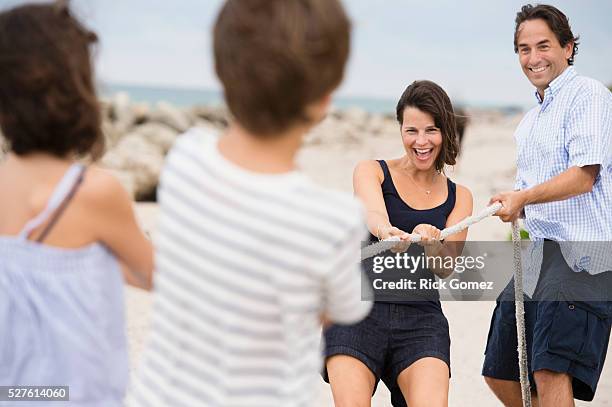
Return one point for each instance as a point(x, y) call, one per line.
point(422, 139)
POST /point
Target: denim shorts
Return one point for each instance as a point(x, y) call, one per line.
point(391, 338)
point(566, 336)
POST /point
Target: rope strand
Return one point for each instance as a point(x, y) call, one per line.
point(386, 244)
point(520, 315)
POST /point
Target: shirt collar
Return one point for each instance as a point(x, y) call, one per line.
point(555, 86)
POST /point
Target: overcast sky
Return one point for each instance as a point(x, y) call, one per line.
point(465, 46)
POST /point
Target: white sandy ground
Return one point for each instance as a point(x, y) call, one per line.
point(486, 166)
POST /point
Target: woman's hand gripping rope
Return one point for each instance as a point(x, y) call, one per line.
point(391, 241)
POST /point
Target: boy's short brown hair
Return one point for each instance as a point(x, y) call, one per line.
point(48, 101)
point(275, 57)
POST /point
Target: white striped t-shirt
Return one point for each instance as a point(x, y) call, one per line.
point(246, 264)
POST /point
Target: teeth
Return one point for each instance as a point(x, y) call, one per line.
point(423, 151)
point(538, 69)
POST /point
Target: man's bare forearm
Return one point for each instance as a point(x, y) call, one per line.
point(572, 182)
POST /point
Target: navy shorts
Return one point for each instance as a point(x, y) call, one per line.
point(391, 338)
point(566, 336)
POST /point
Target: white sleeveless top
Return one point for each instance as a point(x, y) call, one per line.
point(62, 315)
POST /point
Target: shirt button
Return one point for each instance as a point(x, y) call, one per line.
point(571, 306)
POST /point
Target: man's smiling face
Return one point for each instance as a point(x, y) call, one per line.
point(541, 56)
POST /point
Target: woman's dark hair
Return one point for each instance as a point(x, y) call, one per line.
point(48, 101)
point(431, 98)
point(556, 21)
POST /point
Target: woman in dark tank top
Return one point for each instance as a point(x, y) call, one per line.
point(405, 340)
point(405, 218)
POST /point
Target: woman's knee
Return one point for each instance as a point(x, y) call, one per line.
point(351, 381)
point(350, 401)
point(425, 383)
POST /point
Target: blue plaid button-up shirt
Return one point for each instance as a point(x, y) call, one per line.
point(570, 126)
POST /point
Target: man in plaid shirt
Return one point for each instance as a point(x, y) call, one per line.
point(564, 192)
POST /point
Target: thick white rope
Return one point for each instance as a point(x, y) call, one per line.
point(520, 315)
point(379, 247)
point(386, 244)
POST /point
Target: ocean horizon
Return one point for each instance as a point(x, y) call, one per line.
point(185, 97)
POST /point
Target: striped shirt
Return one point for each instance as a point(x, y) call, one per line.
point(570, 126)
point(246, 264)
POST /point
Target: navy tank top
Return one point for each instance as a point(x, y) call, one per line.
point(404, 217)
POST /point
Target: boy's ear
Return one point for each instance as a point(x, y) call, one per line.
point(317, 110)
point(326, 101)
point(322, 105)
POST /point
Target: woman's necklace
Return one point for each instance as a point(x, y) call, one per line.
point(427, 191)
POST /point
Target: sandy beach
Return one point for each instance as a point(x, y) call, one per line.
point(485, 166)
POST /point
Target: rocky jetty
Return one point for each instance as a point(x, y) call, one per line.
point(138, 136)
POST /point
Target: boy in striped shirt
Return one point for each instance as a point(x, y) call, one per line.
point(251, 254)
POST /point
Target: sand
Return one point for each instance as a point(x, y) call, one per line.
point(486, 166)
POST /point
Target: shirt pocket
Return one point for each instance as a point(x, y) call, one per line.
point(549, 151)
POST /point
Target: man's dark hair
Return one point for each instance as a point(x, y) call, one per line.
point(48, 101)
point(275, 57)
point(556, 21)
point(430, 98)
